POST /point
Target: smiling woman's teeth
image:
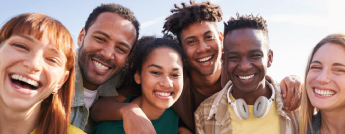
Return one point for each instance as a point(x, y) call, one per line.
point(246, 77)
point(205, 59)
point(324, 92)
point(99, 65)
point(24, 79)
point(163, 94)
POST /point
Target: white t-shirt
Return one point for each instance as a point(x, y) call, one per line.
point(89, 97)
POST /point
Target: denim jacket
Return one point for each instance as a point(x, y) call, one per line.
point(80, 113)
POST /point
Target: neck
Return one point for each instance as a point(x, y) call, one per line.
point(250, 98)
point(209, 84)
point(14, 121)
point(332, 122)
point(152, 112)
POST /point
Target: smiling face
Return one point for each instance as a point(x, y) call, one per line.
point(247, 58)
point(104, 48)
point(30, 70)
point(326, 76)
point(202, 44)
point(161, 78)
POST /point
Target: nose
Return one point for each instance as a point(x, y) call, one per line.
point(323, 77)
point(108, 52)
point(203, 47)
point(244, 64)
point(33, 62)
point(166, 82)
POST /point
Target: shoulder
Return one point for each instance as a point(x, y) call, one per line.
point(74, 130)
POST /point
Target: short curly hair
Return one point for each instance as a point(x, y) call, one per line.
point(188, 14)
point(114, 8)
point(246, 21)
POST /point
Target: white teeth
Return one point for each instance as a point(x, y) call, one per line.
point(24, 79)
point(205, 59)
point(163, 94)
point(100, 65)
point(246, 77)
point(324, 92)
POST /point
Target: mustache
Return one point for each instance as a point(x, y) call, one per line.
point(103, 59)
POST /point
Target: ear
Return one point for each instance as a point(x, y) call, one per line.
point(270, 58)
point(137, 77)
point(81, 37)
point(61, 82)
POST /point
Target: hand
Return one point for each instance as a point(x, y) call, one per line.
point(183, 130)
point(136, 122)
point(291, 88)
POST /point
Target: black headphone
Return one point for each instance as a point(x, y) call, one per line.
point(261, 106)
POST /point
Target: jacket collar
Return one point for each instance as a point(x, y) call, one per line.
point(219, 106)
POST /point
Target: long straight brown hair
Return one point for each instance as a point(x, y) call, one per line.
point(307, 109)
point(55, 110)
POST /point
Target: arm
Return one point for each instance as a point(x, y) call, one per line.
point(291, 89)
point(108, 108)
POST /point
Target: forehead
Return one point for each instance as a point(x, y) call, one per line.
point(245, 38)
point(115, 26)
point(164, 57)
point(198, 28)
point(330, 52)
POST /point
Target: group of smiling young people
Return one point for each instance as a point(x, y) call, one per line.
point(194, 81)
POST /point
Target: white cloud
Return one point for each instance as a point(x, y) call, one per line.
point(153, 22)
point(300, 19)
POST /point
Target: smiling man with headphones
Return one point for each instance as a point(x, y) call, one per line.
point(251, 102)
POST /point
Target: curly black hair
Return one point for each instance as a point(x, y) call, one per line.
point(114, 8)
point(142, 50)
point(188, 14)
point(246, 21)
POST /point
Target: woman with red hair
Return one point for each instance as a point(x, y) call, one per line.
point(36, 76)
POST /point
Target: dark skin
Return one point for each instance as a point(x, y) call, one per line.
point(208, 42)
point(247, 58)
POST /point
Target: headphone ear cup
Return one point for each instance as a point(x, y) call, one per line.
point(241, 110)
point(261, 107)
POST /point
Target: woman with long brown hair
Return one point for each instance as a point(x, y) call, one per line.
point(37, 58)
point(323, 97)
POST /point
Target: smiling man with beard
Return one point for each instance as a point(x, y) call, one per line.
point(109, 34)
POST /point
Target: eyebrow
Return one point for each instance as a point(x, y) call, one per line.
point(207, 32)
point(27, 37)
point(106, 35)
point(251, 51)
point(160, 67)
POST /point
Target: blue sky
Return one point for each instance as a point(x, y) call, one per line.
point(295, 26)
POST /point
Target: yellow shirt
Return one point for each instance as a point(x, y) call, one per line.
point(70, 130)
point(270, 124)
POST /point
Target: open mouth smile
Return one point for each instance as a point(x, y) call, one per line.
point(246, 77)
point(24, 82)
point(205, 59)
point(326, 93)
point(99, 65)
point(163, 95)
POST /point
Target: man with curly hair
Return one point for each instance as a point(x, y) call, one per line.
point(250, 102)
point(196, 29)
